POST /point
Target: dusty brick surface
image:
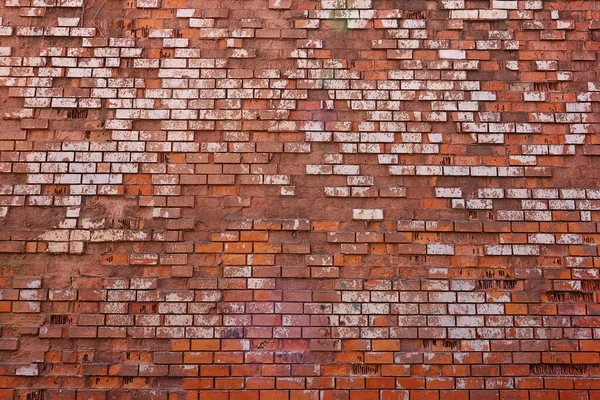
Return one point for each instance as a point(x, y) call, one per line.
point(299, 200)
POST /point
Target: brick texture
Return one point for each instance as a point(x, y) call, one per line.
point(299, 200)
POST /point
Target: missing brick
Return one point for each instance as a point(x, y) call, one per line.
point(502, 284)
point(124, 223)
point(414, 15)
point(289, 357)
point(145, 310)
point(166, 53)
point(365, 369)
point(61, 190)
point(564, 369)
point(233, 333)
point(545, 86)
point(77, 114)
point(498, 274)
point(590, 285)
point(557, 296)
point(261, 345)
point(46, 369)
point(36, 395)
point(164, 158)
point(441, 344)
point(426, 237)
point(121, 24)
point(61, 319)
point(142, 32)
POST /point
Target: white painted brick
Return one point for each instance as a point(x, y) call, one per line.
point(456, 170)
point(509, 215)
point(498, 250)
point(505, 4)
point(479, 204)
point(569, 238)
point(538, 216)
point(440, 249)
point(453, 4)
point(493, 14)
point(484, 171)
point(346, 169)
point(525, 250)
point(490, 193)
point(448, 192)
point(367, 214)
point(342, 191)
point(483, 96)
point(319, 169)
point(428, 170)
point(453, 54)
point(541, 238)
point(380, 137)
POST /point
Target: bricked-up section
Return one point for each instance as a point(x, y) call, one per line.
point(299, 200)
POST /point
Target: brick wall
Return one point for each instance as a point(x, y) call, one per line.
point(299, 200)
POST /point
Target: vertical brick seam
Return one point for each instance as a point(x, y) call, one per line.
point(299, 200)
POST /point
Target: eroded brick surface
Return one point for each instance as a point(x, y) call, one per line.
point(299, 200)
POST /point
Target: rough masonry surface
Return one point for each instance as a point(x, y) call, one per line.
point(299, 200)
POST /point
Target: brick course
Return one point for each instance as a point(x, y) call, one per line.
point(299, 200)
